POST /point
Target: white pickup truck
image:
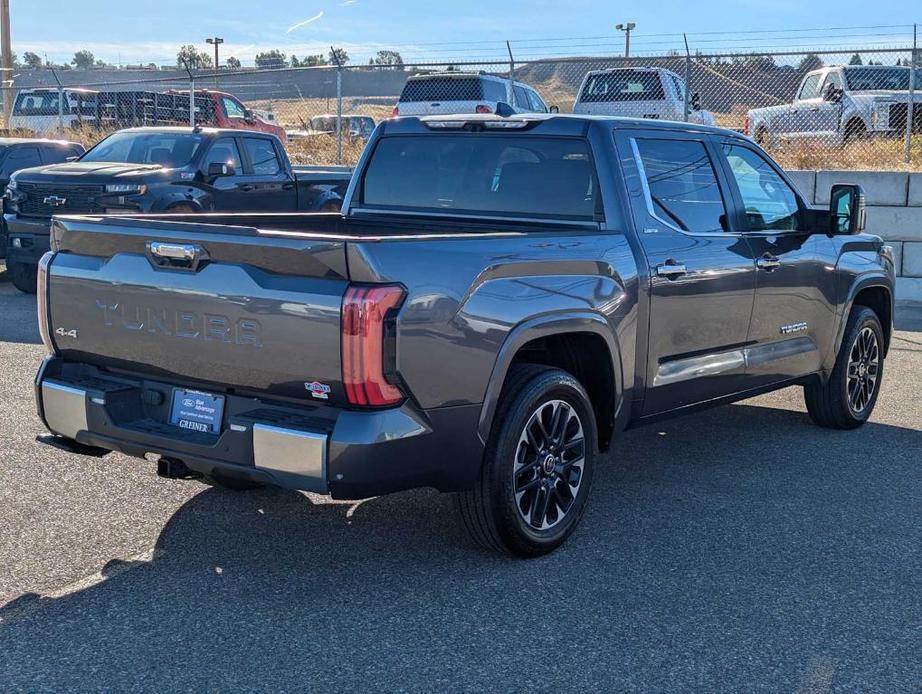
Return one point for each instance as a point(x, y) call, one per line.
point(639, 92)
point(841, 104)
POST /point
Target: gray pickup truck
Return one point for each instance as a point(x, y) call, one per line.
point(499, 298)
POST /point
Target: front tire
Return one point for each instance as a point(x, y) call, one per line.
point(538, 465)
point(23, 276)
point(847, 399)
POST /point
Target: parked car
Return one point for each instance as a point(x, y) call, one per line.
point(639, 92)
point(20, 153)
point(497, 302)
point(354, 125)
point(162, 170)
point(842, 104)
point(465, 92)
point(42, 110)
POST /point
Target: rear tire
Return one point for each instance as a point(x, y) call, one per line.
point(855, 130)
point(23, 276)
point(847, 399)
point(538, 465)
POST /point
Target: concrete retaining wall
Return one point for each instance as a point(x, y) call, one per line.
point(894, 201)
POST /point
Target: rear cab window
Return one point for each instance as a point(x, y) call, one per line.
point(484, 175)
point(438, 89)
point(623, 85)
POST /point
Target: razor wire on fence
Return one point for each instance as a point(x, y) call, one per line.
point(849, 108)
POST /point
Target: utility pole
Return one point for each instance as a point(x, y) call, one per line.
point(217, 41)
point(6, 62)
point(627, 29)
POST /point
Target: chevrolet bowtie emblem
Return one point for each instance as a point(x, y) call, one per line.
point(55, 201)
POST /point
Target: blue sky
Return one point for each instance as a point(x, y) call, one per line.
point(152, 31)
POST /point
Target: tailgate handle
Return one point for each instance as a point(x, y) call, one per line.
point(180, 255)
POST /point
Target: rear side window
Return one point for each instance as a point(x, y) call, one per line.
point(443, 89)
point(263, 157)
point(483, 174)
point(20, 158)
point(682, 187)
point(623, 85)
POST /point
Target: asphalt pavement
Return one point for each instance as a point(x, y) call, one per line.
point(739, 549)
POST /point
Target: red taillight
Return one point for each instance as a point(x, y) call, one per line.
point(483, 109)
point(746, 125)
point(364, 312)
point(395, 112)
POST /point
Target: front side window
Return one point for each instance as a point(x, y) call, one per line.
point(770, 203)
point(537, 105)
point(262, 155)
point(232, 108)
point(810, 88)
point(483, 175)
point(681, 185)
point(224, 151)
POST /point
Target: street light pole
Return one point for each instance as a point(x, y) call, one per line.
point(216, 41)
point(6, 61)
point(626, 28)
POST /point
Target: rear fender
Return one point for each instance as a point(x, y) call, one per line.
point(540, 327)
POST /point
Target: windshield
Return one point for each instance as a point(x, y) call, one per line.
point(483, 175)
point(36, 104)
point(170, 150)
point(892, 79)
point(623, 85)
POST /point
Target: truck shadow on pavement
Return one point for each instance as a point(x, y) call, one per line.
point(734, 547)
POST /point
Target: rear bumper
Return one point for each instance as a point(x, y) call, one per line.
point(28, 239)
point(347, 454)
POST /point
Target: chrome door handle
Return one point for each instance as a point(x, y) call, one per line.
point(671, 269)
point(174, 251)
point(768, 262)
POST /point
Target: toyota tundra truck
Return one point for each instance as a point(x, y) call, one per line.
point(497, 301)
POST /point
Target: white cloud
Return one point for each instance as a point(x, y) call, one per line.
point(305, 22)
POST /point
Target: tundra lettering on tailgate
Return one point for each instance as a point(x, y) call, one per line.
point(138, 318)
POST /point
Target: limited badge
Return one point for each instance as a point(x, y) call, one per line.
point(319, 390)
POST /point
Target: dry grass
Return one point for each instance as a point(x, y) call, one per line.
point(873, 154)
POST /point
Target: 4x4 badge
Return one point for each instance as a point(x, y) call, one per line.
point(66, 333)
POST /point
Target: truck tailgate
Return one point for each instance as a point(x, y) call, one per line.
point(220, 308)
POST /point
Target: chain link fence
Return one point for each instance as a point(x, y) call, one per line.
point(832, 109)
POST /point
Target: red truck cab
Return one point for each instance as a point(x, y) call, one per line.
point(229, 112)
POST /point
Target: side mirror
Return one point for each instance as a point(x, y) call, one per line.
point(832, 94)
point(73, 158)
point(248, 116)
point(553, 109)
point(504, 110)
point(217, 169)
point(846, 209)
point(696, 101)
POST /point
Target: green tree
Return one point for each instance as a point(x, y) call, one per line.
point(810, 62)
point(338, 56)
point(294, 61)
point(192, 57)
point(31, 59)
point(268, 60)
point(232, 63)
point(83, 60)
point(390, 59)
point(314, 60)
point(856, 60)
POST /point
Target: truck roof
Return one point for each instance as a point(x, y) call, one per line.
point(212, 132)
point(8, 141)
point(566, 123)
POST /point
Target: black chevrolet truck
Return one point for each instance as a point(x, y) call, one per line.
point(166, 170)
point(498, 300)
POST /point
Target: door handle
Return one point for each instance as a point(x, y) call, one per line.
point(288, 186)
point(671, 269)
point(246, 187)
point(768, 262)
